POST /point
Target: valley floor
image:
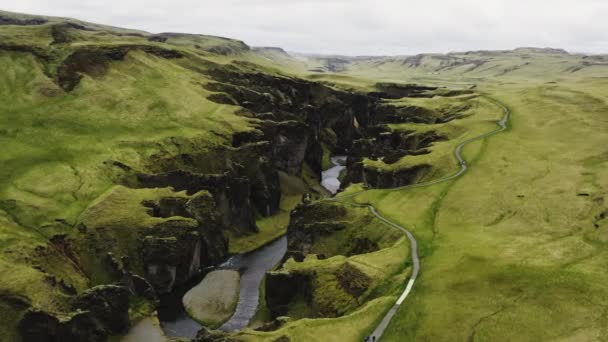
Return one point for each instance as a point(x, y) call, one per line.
point(511, 247)
point(517, 243)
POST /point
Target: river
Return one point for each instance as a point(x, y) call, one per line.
point(252, 267)
point(329, 177)
point(174, 320)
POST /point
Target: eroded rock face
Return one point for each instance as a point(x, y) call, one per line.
point(282, 287)
point(214, 244)
point(38, 326)
point(4, 20)
point(389, 146)
point(346, 122)
point(208, 335)
point(397, 91)
point(392, 179)
point(305, 228)
point(107, 315)
point(289, 99)
point(108, 304)
point(232, 194)
point(352, 280)
point(95, 61)
point(171, 253)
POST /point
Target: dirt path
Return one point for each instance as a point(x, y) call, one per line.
point(379, 330)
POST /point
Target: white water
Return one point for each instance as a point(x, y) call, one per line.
point(329, 177)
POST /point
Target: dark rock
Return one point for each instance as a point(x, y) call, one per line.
point(40, 326)
point(290, 145)
point(282, 287)
point(275, 324)
point(352, 280)
point(109, 304)
point(4, 20)
point(62, 33)
point(39, 52)
point(143, 288)
point(214, 243)
point(391, 179)
point(362, 246)
point(397, 91)
point(171, 253)
point(82, 327)
point(157, 38)
point(231, 193)
point(305, 228)
point(208, 335)
point(94, 61)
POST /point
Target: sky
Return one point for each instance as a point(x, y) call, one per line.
point(356, 27)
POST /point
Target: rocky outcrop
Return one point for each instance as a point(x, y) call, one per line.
point(232, 194)
point(108, 304)
point(208, 335)
point(175, 250)
point(6, 20)
point(377, 178)
point(40, 326)
point(98, 313)
point(382, 143)
point(274, 324)
point(62, 33)
point(397, 91)
point(390, 146)
point(305, 227)
point(352, 280)
point(242, 179)
point(282, 287)
point(136, 284)
point(285, 98)
point(213, 44)
point(171, 253)
point(94, 61)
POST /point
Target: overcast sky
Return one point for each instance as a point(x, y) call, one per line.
point(356, 27)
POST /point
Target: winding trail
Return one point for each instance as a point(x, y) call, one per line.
point(381, 327)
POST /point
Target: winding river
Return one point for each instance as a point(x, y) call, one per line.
point(252, 267)
point(175, 322)
point(330, 177)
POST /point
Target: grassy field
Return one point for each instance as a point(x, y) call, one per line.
point(517, 243)
point(214, 299)
point(59, 149)
point(514, 250)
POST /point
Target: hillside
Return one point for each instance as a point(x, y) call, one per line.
point(135, 162)
point(535, 63)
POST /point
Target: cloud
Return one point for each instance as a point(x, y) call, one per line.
point(357, 27)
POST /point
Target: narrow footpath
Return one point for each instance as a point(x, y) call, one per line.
point(379, 330)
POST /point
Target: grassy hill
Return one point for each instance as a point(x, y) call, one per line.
point(126, 152)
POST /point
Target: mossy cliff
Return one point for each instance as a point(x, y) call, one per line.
point(132, 160)
point(324, 273)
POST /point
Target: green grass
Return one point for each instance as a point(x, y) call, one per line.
point(352, 327)
point(214, 299)
point(514, 250)
point(56, 149)
point(480, 118)
point(270, 229)
point(275, 226)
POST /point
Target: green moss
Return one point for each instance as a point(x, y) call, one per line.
point(139, 308)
